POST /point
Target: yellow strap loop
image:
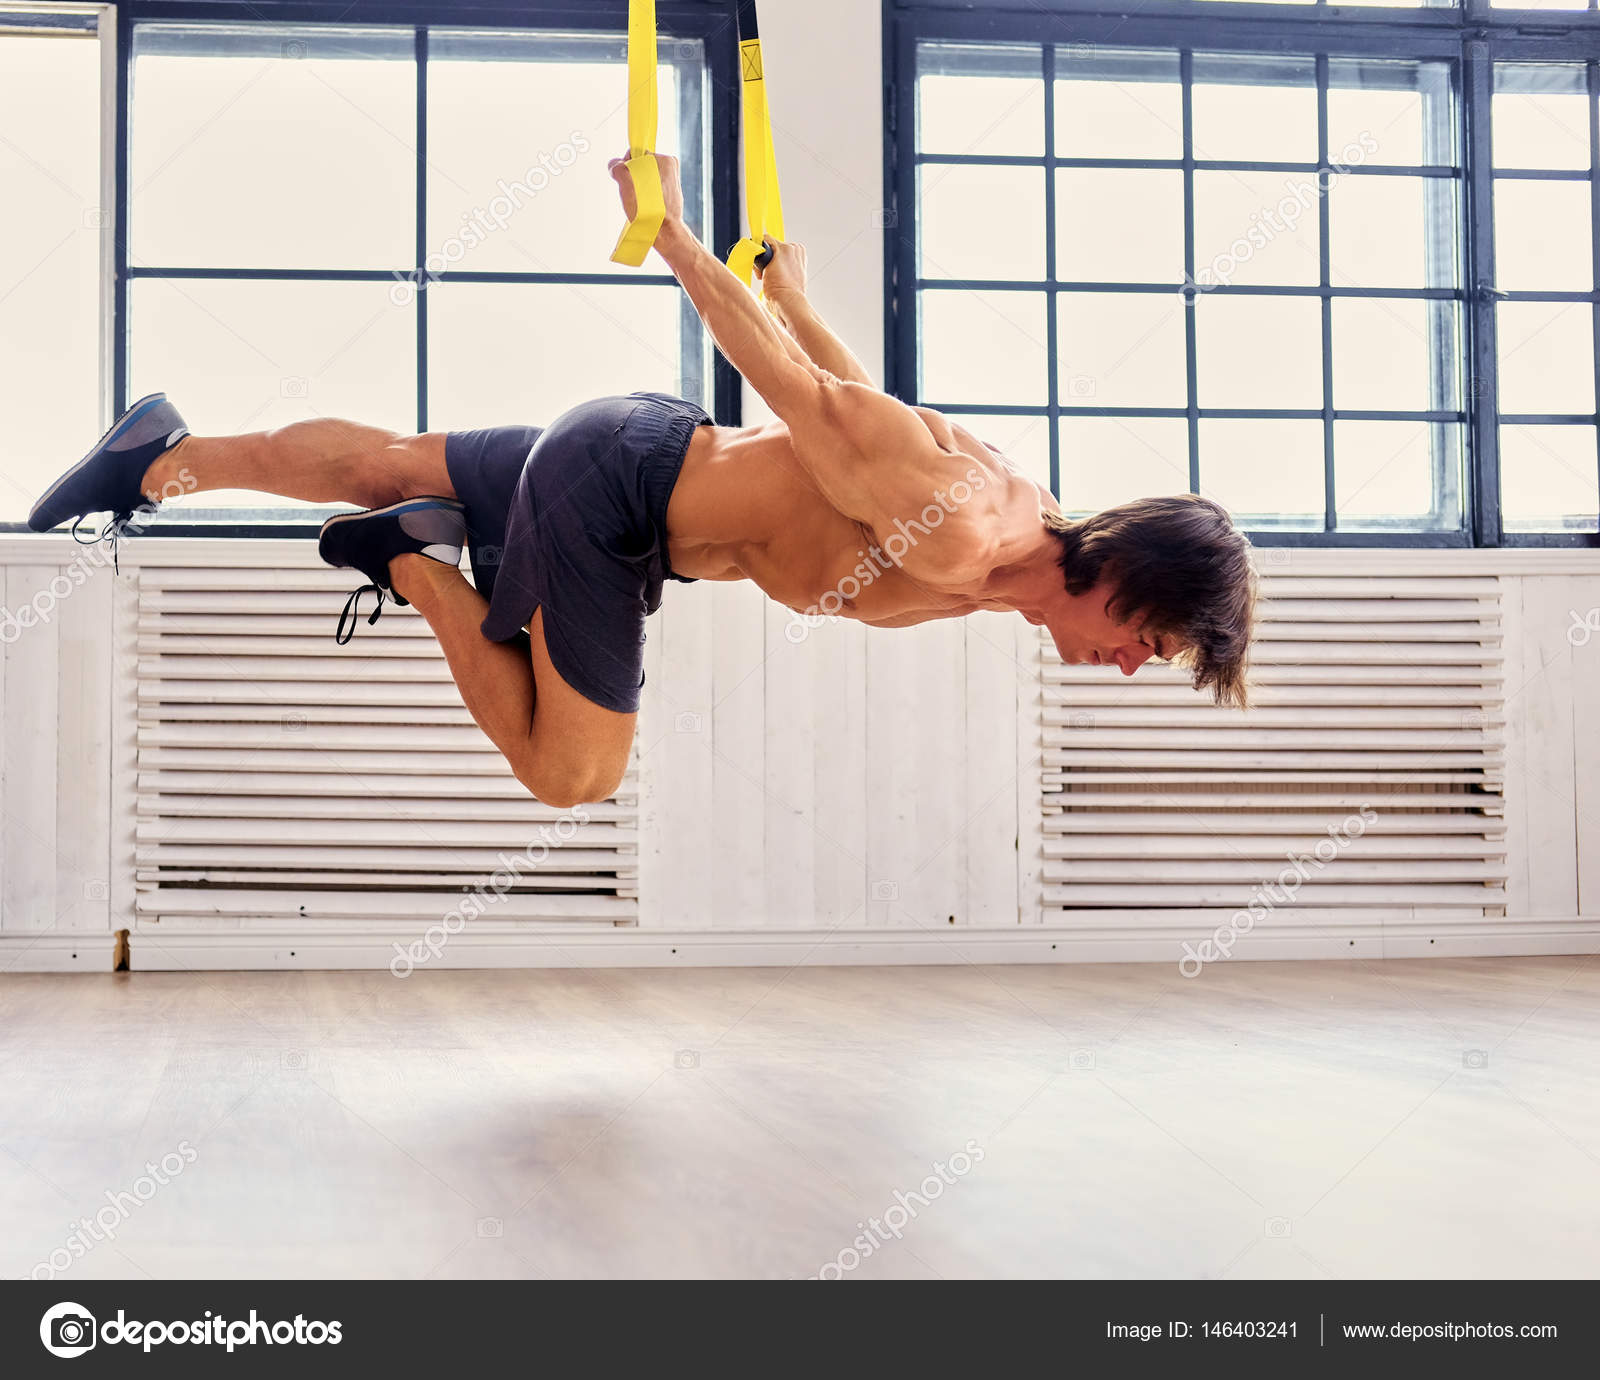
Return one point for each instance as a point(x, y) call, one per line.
point(633, 245)
point(763, 202)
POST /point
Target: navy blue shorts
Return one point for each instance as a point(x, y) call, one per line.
point(572, 519)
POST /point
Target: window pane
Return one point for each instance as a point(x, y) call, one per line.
point(486, 366)
point(1259, 352)
point(1024, 441)
point(1112, 103)
point(1393, 355)
point(1382, 112)
point(1256, 109)
point(1119, 225)
point(1546, 357)
point(1391, 231)
point(49, 258)
point(1121, 349)
point(1548, 478)
point(242, 356)
point(520, 127)
point(957, 235)
point(983, 347)
point(1543, 235)
point(1384, 474)
point(1539, 117)
point(1267, 473)
point(272, 147)
point(1256, 229)
point(1109, 460)
point(980, 99)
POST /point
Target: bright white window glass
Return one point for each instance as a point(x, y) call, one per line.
point(1259, 352)
point(1266, 472)
point(248, 356)
point(519, 131)
point(50, 220)
point(1385, 352)
point(959, 235)
point(1255, 109)
point(1110, 460)
point(1119, 225)
point(272, 147)
point(1543, 235)
point(496, 354)
point(1121, 349)
point(1391, 231)
point(1253, 228)
point(1024, 441)
point(1117, 104)
point(980, 99)
point(1548, 479)
point(1546, 357)
point(1539, 116)
point(985, 348)
point(1539, 4)
point(1386, 112)
point(1383, 472)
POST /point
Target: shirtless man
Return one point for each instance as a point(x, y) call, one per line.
point(850, 504)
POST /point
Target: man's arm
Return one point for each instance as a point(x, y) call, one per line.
point(784, 284)
point(776, 367)
point(869, 455)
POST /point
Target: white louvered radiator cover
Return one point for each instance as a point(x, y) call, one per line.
point(281, 777)
point(1383, 693)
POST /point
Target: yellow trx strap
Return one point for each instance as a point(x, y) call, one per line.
point(640, 233)
point(763, 204)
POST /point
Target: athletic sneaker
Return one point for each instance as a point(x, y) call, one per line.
point(432, 527)
point(108, 478)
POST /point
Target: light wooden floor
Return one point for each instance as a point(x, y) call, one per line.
point(1307, 1119)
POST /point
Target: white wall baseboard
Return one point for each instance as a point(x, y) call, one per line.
point(325, 949)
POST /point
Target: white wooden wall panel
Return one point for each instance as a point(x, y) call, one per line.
point(815, 768)
point(29, 899)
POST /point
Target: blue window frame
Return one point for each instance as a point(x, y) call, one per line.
point(1199, 269)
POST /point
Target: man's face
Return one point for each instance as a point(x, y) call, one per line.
point(1086, 634)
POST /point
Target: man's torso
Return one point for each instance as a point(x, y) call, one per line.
point(745, 507)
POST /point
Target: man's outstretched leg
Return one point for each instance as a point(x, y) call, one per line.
point(149, 454)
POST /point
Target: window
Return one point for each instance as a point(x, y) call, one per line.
point(408, 226)
point(1163, 253)
point(54, 236)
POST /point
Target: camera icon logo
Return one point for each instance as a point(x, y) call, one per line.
point(687, 722)
point(886, 891)
point(1081, 1061)
point(1475, 1059)
point(1278, 1226)
point(294, 387)
point(96, 891)
point(68, 1330)
point(686, 1059)
point(491, 1227)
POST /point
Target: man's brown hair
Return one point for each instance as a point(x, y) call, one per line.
point(1179, 568)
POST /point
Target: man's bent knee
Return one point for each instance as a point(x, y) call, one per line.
point(565, 787)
